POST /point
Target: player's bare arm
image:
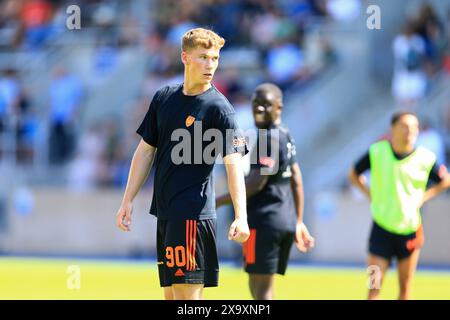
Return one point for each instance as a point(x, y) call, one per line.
point(360, 182)
point(254, 183)
point(140, 167)
point(303, 240)
point(437, 189)
point(239, 230)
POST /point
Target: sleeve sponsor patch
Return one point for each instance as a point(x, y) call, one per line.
point(443, 171)
point(267, 161)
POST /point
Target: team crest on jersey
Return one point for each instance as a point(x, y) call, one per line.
point(189, 121)
point(239, 142)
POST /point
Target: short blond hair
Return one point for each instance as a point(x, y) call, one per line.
point(200, 37)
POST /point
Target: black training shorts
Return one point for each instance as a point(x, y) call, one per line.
point(187, 252)
point(267, 251)
point(389, 245)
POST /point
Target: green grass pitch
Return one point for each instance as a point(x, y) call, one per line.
point(29, 278)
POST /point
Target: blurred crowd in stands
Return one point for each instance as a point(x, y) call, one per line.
point(422, 54)
point(279, 41)
point(420, 51)
point(271, 35)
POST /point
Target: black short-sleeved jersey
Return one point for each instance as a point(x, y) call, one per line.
point(184, 186)
point(273, 206)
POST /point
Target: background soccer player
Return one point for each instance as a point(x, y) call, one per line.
point(183, 198)
point(398, 189)
point(274, 221)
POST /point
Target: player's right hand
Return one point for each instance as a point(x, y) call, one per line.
point(303, 240)
point(239, 231)
point(123, 217)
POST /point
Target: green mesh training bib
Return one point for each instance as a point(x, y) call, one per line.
point(397, 187)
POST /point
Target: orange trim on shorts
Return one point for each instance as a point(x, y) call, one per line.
point(418, 241)
point(194, 244)
point(249, 248)
point(191, 243)
point(188, 251)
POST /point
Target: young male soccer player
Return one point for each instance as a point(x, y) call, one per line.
point(183, 198)
point(274, 221)
point(398, 189)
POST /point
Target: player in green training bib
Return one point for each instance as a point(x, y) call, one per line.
point(398, 188)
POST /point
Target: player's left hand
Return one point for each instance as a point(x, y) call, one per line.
point(239, 231)
point(123, 217)
point(303, 240)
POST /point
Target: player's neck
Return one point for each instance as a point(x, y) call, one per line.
point(274, 123)
point(191, 88)
point(401, 148)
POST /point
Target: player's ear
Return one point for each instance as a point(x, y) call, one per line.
point(279, 106)
point(184, 57)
